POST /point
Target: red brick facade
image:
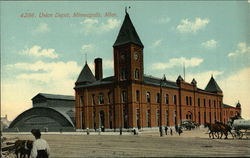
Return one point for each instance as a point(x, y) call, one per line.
point(130, 99)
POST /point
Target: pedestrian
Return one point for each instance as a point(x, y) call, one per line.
point(179, 131)
point(40, 147)
point(171, 131)
point(166, 130)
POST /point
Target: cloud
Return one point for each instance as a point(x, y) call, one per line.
point(156, 43)
point(177, 62)
point(242, 49)
point(42, 28)
point(93, 25)
point(37, 51)
point(46, 72)
point(236, 87)
point(34, 78)
point(210, 44)
point(108, 64)
point(187, 26)
point(87, 48)
point(164, 20)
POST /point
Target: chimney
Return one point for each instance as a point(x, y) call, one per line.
point(98, 68)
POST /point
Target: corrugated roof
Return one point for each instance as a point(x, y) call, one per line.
point(107, 80)
point(55, 96)
point(212, 86)
point(157, 82)
point(86, 75)
point(127, 33)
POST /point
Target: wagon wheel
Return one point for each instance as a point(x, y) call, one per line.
point(239, 135)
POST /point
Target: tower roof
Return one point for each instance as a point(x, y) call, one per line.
point(86, 75)
point(212, 86)
point(127, 33)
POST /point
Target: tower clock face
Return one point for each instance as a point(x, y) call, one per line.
point(136, 56)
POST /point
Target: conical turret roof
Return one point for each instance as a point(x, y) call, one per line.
point(212, 86)
point(127, 33)
point(86, 75)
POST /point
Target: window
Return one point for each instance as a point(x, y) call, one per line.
point(124, 96)
point(81, 101)
point(158, 98)
point(199, 102)
point(186, 100)
point(209, 103)
point(148, 97)
point(204, 102)
point(137, 95)
point(190, 100)
point(220, 104)
point(136, 74)
point(100, 99)
point(123, 74)
point(167, 99)
point(175, 99)
point(93, 99)
point(214, 103)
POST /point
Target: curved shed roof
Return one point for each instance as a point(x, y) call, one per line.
point(59, 114)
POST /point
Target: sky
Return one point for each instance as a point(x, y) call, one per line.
point(44, 45)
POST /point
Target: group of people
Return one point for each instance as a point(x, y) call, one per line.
point(177, 129)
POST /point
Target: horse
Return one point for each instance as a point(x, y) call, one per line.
point(215, 130)
point(227, 128)
point(23, 147)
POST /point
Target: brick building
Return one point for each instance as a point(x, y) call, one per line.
point(131, 99)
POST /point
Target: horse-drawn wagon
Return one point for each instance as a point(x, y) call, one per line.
point(241, 128)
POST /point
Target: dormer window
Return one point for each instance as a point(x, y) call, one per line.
point(148, 97)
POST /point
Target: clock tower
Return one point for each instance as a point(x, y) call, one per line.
point(128, 53)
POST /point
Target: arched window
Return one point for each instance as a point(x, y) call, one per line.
point(158, 98)
point(199, 102)
point(190, 100)
point(175, 99)
point(81, 101)
point(109, 97)
point(148, 97)
point(186, 100)
point(167, 99)
point(124, 96)
point(136, 73)
point(123, 74)
point(137, 95)
point(93, 99)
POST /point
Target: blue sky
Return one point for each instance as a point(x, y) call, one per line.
point(46, 54)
